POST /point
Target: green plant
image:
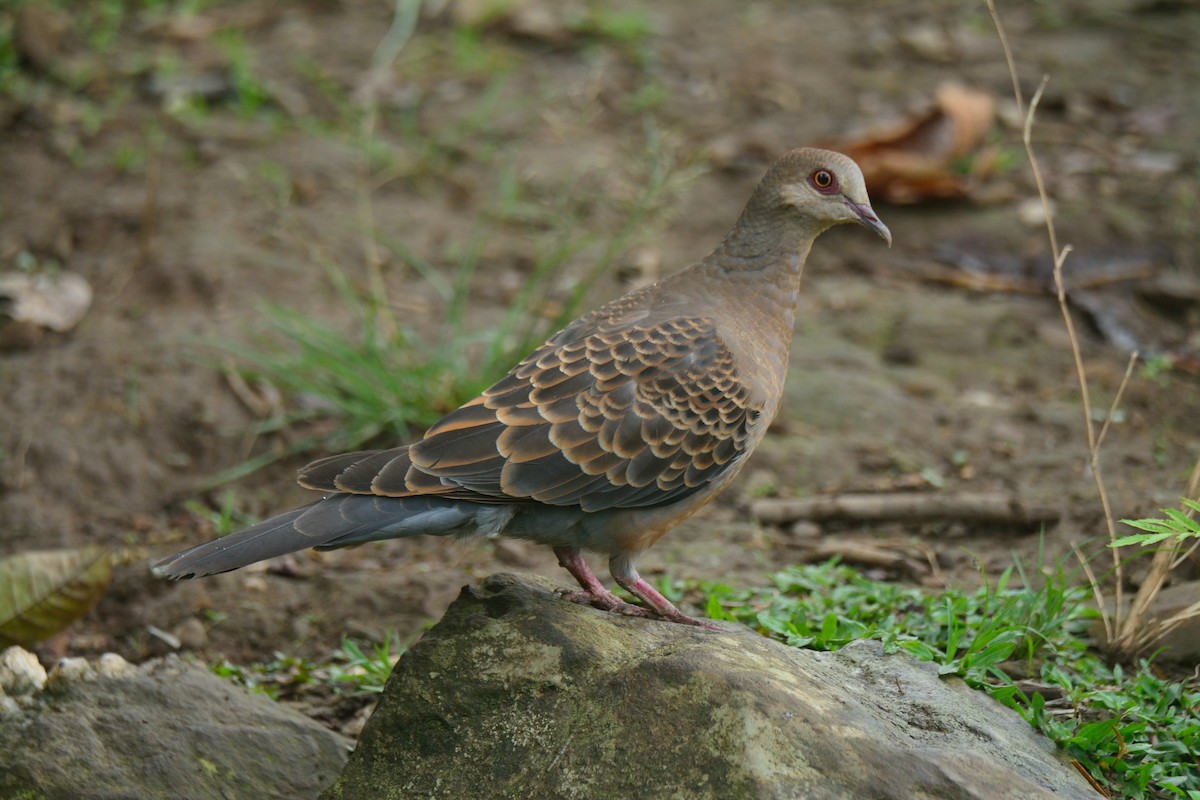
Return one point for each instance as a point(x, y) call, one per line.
point(1025, 646)
point(1176, 525)
point(349, 671)
point(365, 672)
point(1158, 368)
point(605, 22)
point(252, 95)
point(225, 518)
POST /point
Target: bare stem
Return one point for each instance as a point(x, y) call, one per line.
point(1060, 254)
point(404, 22)
point(1008, 57)
point(1116, 402)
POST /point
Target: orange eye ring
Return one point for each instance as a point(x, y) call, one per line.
point(823, 181)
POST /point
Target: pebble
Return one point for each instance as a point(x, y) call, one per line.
point(192, 634)
point(112, 665)
point(805, 529)
point(68, 671)
point(1031, 212)
point(20, 672)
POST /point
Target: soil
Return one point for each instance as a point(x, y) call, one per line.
point(188, 224)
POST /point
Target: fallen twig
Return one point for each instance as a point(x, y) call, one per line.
point(997, 507)
point(868, 555)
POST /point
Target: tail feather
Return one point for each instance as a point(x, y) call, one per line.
point(336, 521)
point(267, 539)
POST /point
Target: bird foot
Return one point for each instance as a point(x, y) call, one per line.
point(595, 594)
point(680, 618)
point(607, 601)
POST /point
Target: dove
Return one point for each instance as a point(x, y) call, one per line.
point(619, 427)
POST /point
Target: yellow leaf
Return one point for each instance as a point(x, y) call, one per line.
point(43, 592)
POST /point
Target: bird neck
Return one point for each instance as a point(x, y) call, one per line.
point(766, 238)
point(765, 253)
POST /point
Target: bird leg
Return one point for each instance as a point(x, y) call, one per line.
point(622, 569)
point(594, 592)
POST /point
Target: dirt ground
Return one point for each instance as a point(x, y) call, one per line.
point(186, 224)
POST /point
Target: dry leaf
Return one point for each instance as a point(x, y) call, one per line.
point(43, 592)
point(923, 157)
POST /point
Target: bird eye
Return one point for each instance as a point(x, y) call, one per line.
point(823, 181)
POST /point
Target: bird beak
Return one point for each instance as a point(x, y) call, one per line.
point(866, 215)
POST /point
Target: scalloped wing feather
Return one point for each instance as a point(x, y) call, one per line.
point(619, 416)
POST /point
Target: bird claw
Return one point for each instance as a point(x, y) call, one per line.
point(607, 601)
point(683, 619)
point(604, 600)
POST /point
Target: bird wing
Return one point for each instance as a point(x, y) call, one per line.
point(619, 415)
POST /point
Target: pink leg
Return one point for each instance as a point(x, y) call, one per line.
point(594, 592)
point(622, 569)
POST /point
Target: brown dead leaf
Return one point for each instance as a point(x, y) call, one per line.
point(923, 157)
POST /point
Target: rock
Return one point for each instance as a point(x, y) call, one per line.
point(68, 671)
point(31, 302)
point(191, 634)
point(517, 694)
point(112, 665)
point(20, 672)
point(164, 729)
point(1182, 643)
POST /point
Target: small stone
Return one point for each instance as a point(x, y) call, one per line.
point(929, 41)
point(168, 730)
point(192, 634)
point(20, 672)
point(254, 583)
point(112, 665)
point(1031, 212)
point(52, 301)
point(805, 529)
point(68, 671)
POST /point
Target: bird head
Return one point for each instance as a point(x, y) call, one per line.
point(826, 188)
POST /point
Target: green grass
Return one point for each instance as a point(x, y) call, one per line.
point(350, 671)
point(223, 519)
point(1132, 729)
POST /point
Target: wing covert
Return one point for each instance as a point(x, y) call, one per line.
point(622, 416)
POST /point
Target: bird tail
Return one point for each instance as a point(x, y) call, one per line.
point(336, 521)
